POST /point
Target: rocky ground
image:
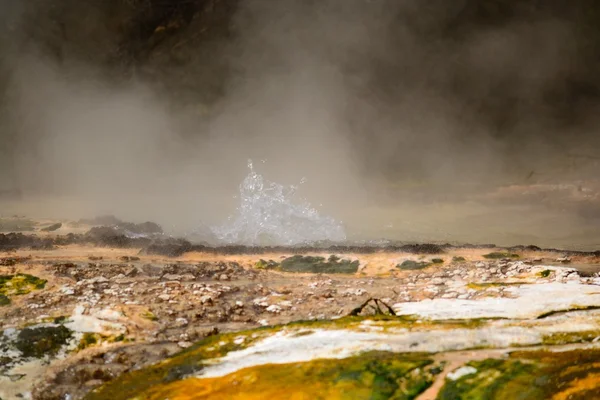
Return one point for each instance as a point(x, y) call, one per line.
point(82, 308)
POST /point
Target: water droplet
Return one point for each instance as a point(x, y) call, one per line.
point(268, 216)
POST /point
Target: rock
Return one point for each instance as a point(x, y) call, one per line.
point(129, 258)
point(206, 299)
point(285, 304)
point(224, 277)
point(460, 372)
point(184, 345)
point(152, 270)
point(181, 322)
point(171, 277)
point(164, 297)
point(107, 314)
point(273, 308)
point(261, 302)
point(67, 290)
point(411, 265)
point(437, 281)
point(52, 227)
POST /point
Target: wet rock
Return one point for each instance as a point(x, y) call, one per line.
point(129, 258)
point(173, 249)
point(411, 265)
point(4, 300)
point(425, 248)
point(500, 255)
point(146, 228)
point(52, 227)
point(224, 277)
point(152, 270)
point(112, 237)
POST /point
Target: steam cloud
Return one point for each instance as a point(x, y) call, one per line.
point(139, 109)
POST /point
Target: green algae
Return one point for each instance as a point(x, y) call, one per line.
point(192, 360)
point(41, 341)
point(410, 265)
point(371, 375)
point(545, 273)
point(437, 261)
point(490, 381)
point(20, 284)
point(312, 264)
point(189, 361)
point(4, 300)
point(499, 255)
point(530, 375)
point(88, 339)
point(458, 259)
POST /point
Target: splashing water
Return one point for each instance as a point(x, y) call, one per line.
point(267, 216)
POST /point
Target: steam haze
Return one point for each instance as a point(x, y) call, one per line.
point(405, 117)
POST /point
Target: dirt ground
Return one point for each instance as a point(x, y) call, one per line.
point(129, 308)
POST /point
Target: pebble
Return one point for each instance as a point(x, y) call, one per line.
point(273, 308)
point(181, 322)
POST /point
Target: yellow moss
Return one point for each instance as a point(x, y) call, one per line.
point(570, 337)
point(20, 284)
point(579, 387)
point(149, 315)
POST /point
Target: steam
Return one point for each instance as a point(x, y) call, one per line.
point(400, 113)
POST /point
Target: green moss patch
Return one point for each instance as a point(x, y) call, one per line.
point(19, 284)
point(499, 255)
point(88, 339)
point(410, 265)
point(545, 273)
point(311, 264)
point(530, 375)
point(4, 300)
point(458, 259)
point(41, 341)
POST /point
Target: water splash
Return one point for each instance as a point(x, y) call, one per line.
point(268, 215)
